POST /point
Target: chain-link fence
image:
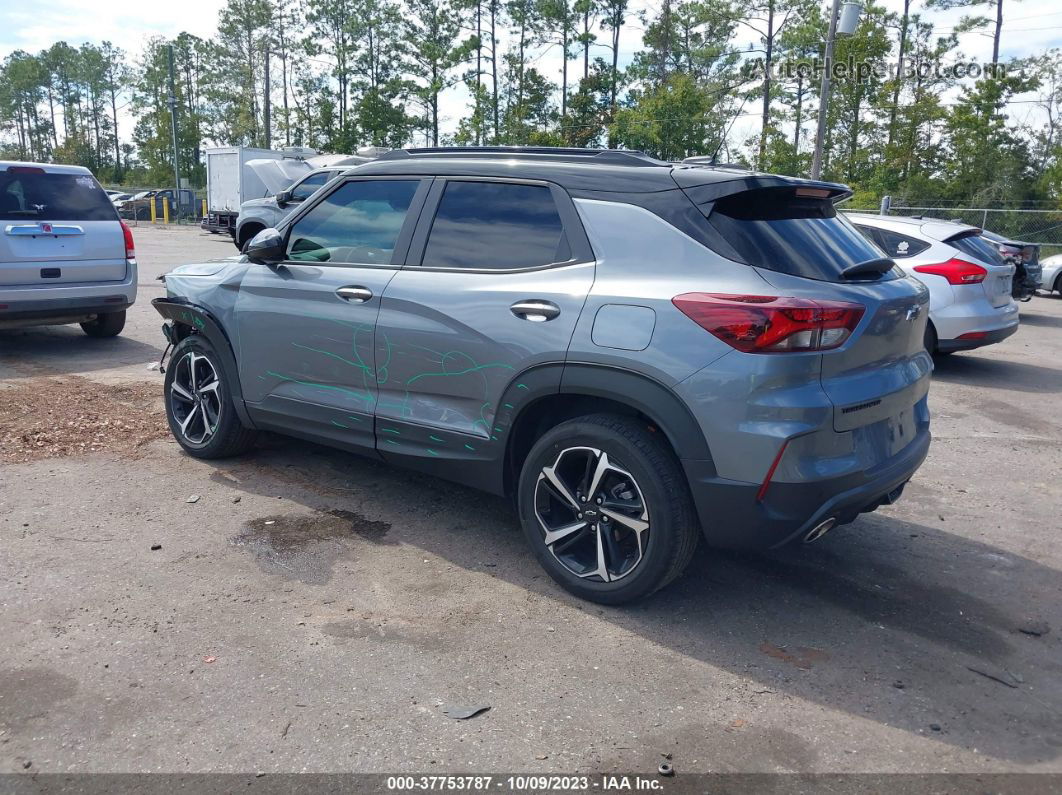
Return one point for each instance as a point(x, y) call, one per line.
point(1025, 225)
point(137, 208)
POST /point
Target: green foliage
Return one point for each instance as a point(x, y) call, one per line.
point(350, 73)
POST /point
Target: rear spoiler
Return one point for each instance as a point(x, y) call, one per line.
point(964, 233)
point(704, 189)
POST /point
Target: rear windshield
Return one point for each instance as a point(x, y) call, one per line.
point(775, 229)
point(34, 196)
point(977, 246)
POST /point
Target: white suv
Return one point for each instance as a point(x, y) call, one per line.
point(65, 257)
point(969, 283)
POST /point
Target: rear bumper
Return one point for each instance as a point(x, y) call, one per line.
point(989, 338)
point(65, 303)
point(732, 517)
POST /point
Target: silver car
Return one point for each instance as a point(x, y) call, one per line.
point(65, 256)
point(637, 352)
point(970, 301)
point(259, 214)
point(1051, 280)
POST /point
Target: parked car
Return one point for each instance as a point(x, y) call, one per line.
point(1051, 280)
point(65, 256)
point(259, 214)
point(969, 284)
point(117, 197)
point(636, 351)
point(1025, 257)
point(139, 206)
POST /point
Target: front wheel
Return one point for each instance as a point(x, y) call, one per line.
point(199, 406)
point(606, 508)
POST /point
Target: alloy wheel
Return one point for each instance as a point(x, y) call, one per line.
point(194, 398)
point(593, 515)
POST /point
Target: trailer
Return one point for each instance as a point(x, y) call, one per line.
point(238, 173)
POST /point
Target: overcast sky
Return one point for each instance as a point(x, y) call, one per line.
point(1030, 27)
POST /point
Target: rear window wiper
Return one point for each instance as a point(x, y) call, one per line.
point(869, 268)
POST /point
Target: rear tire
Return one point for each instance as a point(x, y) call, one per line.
point(199, 405)
point(930, 339)
point(106, 324)
point(623, 491)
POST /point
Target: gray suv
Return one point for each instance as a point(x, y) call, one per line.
point(637, 352)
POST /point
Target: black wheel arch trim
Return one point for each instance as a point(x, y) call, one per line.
point(198, 320)
point(583, 379)
point(655, 400)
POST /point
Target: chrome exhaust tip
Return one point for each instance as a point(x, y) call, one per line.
point(819, 530)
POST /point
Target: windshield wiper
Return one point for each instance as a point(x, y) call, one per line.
point(871, 268)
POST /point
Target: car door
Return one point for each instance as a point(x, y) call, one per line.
point(498, 273)
point(308, 363)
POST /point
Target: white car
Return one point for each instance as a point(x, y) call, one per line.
point(1051, 280)
point(970, 302)
point(65, 256)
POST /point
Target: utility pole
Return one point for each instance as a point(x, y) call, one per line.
point(173, 130)
point(824, 91)
point(265, 107)
point(844, 19)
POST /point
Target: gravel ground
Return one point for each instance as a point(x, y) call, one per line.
point(303, 610)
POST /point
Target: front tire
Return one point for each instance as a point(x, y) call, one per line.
point(106, 324)
point(199, 406)
point(606, 508)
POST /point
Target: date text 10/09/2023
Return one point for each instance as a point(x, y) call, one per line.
point(523, 783)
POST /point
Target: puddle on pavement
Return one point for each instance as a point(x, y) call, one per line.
point(305, 548)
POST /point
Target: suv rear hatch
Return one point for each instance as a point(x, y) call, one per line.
point(790, 232)
point(57, 228)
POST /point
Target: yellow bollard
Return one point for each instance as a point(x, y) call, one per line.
point(165, 211)
point(152, 207)
point(204, 208)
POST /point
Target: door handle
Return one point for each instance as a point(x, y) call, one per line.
point(535, 311)
point(356, 295)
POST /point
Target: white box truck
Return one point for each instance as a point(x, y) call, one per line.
point(238, 173)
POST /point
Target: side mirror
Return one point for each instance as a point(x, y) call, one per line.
point(266, 247)
point(283, 197)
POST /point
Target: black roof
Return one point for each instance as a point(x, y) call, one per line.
point(579, 170)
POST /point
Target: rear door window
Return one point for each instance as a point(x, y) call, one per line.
point(496, 226)
point(27, 195)
point(776, 229)
point(894, 244)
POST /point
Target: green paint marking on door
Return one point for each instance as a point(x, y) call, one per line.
point(437, 439)
point(431, 452)
point(391, 430)
point(339, 424)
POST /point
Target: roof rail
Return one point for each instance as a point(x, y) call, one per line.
point(620, 157)
point(705, 160)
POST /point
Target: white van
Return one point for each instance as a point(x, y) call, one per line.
point(65, 256)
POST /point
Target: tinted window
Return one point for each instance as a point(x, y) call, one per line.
point(358, 222)
point(899, 246)
point(980, 248)
point(27, 196)
point(496, 225)
point(776, 229)
point(308, 186)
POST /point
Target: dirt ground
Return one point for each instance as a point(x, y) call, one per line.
point(298, 609)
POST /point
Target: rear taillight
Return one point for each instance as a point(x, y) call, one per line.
point(770, 324)
point(130, 249)
point(956, 271)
